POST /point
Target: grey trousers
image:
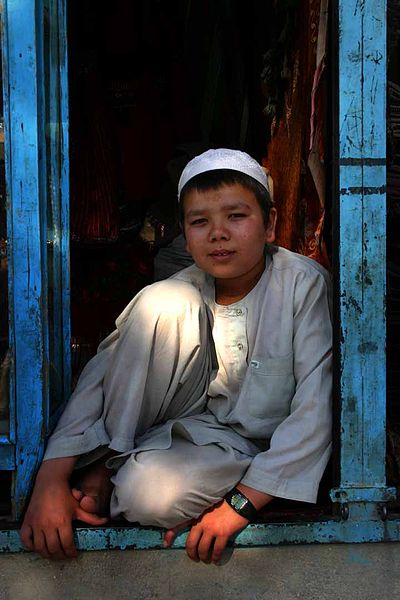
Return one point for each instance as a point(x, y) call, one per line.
point(166, 486)
point(153, 376)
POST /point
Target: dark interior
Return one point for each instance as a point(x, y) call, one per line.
point(152, 84)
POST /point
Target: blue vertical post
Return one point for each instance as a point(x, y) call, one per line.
point(7, 441)
point(28, 294)
point(362, 255)
point(35, 91)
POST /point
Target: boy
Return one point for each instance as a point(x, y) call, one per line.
point(213, 394)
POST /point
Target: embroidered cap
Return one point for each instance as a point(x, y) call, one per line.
point(223, 158)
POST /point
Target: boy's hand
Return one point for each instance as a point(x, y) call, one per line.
point(210, 533)
point(47, 527)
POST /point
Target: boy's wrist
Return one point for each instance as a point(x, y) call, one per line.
point(240, 504)
point(55, 469)
point(257, 498)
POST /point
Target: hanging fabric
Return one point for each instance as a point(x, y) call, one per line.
point(295, 156)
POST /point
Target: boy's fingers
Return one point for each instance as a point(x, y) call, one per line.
point(219, 547)
point(27, 536)
point(192, 542)
point(204, 546)
point(53, 544)
point(67, 541)
point(89, 518)
point(171, 534)
point(40, 546)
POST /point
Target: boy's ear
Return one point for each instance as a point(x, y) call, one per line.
point(270, 228)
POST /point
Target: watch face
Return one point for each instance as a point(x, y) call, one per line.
point(238, 502)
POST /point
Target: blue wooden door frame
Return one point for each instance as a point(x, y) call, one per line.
point(26, 281)
point(362, 493)
point(36, 117)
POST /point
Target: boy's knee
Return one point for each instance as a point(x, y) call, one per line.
point(171, 297)
point(151, 494)
point(170, 300)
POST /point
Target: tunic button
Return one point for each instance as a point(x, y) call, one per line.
point(239, 312)
point(240, 346)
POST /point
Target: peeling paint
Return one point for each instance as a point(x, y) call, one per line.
point(355, 56)
point(363, 191)
point(376, 57)
point(360, 7)
point(368, 348)
point(352, 404)
point(352, 302)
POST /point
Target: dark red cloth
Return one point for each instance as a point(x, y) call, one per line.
point(297, 189)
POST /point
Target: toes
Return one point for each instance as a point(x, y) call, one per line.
point(90, 504)
point(77, 494)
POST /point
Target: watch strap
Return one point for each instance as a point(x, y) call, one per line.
point(241, 504)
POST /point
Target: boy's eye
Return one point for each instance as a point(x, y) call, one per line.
point(199, 221)
point(237, 215)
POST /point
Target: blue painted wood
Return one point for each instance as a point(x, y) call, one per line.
point(27, 292)
point(145, 538)
point(37, 185)
point(11, 437)
point(362, 247)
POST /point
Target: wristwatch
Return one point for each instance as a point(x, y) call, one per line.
point(241, 504)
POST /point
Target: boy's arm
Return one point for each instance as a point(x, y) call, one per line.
point(300, 446)
point(47, 526)
point(258, 499)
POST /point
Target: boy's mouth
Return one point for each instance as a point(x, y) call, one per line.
point(221, 253)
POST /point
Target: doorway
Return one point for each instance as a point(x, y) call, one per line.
point(151, 86)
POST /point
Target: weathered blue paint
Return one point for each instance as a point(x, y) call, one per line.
point(365, 494)
point(362, 250)
point(26, 278)
point(146, 538)
point(7, 454)
point(37, 188)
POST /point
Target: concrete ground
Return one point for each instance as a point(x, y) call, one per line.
point(355, 572)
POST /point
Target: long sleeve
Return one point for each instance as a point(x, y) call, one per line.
point(300, 445)
point(81, 426)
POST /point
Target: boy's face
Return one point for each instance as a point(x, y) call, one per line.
point(225, 232)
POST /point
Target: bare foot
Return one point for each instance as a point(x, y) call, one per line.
point(94, 490)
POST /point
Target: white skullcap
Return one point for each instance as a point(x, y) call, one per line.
point(223, 158)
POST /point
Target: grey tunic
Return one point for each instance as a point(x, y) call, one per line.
point(264, 406)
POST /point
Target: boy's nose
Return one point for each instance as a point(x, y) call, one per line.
point(218, 232)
